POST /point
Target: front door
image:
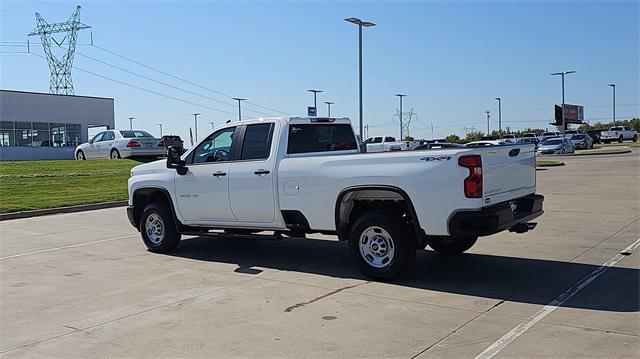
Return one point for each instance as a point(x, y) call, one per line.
point(251, 185)
point(203, 193)
point(93, 150)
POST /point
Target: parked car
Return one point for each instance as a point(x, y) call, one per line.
point(116, 144)
point(572, 132)
point(581, 141)
point(438, 146)
point(619, 133)
point(299, 175)
point(485, 143)
point(386, 144)
point(595, 135)
point(556, 145)
point(530, 135)
point(530, 140)
point(510, 138)
point(548, 135)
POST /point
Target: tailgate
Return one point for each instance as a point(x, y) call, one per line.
point(509, 172)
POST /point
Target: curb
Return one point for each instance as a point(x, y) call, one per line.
point(559, 164)
point(56, 210)
point(602, 154)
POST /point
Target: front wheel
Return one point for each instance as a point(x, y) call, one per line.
point(114, 154)
point(379, 247)
point(452, 246)
point(80, 156)
point(157, 228)
point(635, 138)
point(620, 139)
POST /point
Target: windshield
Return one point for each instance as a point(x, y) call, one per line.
point(578, 137)
point(549, 134)
point(134, 134)
point(552, 142)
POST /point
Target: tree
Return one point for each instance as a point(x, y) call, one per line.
point(453, 139)
point(408, 138)
point(473, 136)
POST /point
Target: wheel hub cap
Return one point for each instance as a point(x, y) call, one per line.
point(376, 247)
point(154, 227)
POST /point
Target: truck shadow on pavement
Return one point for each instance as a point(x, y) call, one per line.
point(513, 279)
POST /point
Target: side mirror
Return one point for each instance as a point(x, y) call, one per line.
point(91, 140)
point(174, 160)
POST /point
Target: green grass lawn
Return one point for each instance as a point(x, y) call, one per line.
point(548, 163)
point(625, 143)
point(28, 185)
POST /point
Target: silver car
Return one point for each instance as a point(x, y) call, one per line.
point(556, 145)
point(581, 141)
point(116, 144)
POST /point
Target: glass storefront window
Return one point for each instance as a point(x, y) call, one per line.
point(6, 137)
point(40, 134)
point(57, 134)
point(73, 134)
point(23, 138)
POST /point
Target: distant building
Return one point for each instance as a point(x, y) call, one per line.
point(38, 126)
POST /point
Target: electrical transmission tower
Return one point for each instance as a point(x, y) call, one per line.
point(60, 68)
point(405, 122)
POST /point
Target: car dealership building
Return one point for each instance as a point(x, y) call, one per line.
point(38, 126)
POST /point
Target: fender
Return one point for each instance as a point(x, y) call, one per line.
point(137, 212)
point(341, 228)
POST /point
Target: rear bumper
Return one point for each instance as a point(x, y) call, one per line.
point(143, 152)
point(496, 218)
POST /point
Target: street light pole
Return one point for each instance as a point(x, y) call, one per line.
point(195, 120)
point(563, 123)
point(488, 117)
point(499, 114)
point(315, 104)
point(160, 129)
point(360, 24)
point(131, 122)
point(613, 86)
point(329, 103)
point(239, 108)
point(400, 115)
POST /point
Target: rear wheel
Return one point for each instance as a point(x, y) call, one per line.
point(620, 139)
point(114, 155)
point(157, 228)
point(635, 138)
point(80, 156)
point(452, 246)
point(379, 247)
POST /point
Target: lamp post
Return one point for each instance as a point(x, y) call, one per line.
point(613, 86)
point(361, 24)
point(329, 103)
point(239, 108)
point(488, 118)
point(160, 129)
point(563, 75)
point(400, 115)
point(499, 114)
point(315, 93)
point(131, 122)
point(195, 120)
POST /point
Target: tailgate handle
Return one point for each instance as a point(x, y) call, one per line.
point(514, 152)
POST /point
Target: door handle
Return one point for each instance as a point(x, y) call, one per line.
point(219, 173)
point(261, 172)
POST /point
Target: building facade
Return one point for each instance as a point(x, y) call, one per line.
point(37, 126)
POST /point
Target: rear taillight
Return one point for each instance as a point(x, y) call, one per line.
point(161, 143)
point(473, 182)
point(133, 143)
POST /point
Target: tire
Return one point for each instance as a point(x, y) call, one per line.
point(605, 142)
point(80, 156)
point(157, 228)
point(379, 247)
point(114, 154)
point(452, 246)
point(620, 139)
point(635, 138)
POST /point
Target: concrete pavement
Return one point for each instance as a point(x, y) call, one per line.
point(83, 285)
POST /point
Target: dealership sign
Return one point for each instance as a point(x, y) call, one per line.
point(572, 114)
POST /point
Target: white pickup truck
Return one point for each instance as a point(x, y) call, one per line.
point(619, 133)
point(295, 176)
point(387, 144)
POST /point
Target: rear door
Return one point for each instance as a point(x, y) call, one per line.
point(508, 172)
point(251, 183)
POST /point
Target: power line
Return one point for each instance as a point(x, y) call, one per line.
point(183, 80)
point(166, 84)
point(146, 90)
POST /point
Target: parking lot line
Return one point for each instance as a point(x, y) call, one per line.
point(65, 247)
point(514, 333)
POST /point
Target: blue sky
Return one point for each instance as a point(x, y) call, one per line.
point(450, 58)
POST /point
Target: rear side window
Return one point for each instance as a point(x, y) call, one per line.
point(257, 142)
point(135, 134)
point(307, 138)
point(108, 136)
point(389, 139)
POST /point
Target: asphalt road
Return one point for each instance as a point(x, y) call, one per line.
point(83, 285)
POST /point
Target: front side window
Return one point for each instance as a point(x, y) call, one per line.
point(97, 137)
point(216, 148)
point(389, 139)
point(257, 142)
point(307, 138)
point(108, 136)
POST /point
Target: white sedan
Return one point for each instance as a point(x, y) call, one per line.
point(116, 144)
